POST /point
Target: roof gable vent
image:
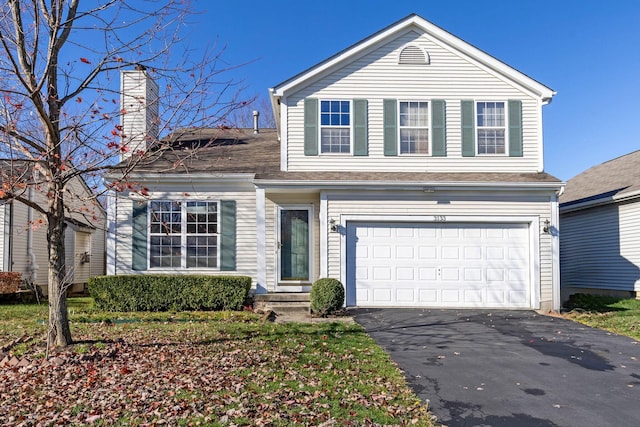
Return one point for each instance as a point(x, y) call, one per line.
point(412, 54)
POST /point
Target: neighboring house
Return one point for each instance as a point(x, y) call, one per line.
point(600, 226)
point(23, 234)
point(409, 166)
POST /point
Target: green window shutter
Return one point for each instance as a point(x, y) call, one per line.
point(227, 235)
point(360, 137)
point(438, 127)
point(390, 112)
point(468, 129)
point(311, 127)
point(139, 236)
point(515, 128)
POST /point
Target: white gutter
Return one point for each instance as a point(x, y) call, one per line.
point(599, 202)
point(426, 186)
point(200, 177)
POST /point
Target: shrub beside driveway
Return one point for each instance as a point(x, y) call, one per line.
point(199, 368)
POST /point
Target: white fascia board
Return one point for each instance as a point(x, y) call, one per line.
point(600, 202)
point(409, 185)
point(472, 52)
point(275, 106)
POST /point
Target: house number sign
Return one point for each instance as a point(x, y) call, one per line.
point(439, 218)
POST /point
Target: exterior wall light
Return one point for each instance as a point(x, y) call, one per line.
point(547, 226)
point(332, 225)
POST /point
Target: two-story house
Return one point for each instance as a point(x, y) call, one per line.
point(409, 166)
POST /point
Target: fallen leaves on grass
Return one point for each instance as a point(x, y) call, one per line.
point(191, 376)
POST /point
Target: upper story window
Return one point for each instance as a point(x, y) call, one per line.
point(183, 234)
point(414, 127)
point(491, 127)
point(335, 126)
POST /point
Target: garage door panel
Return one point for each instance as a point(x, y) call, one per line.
point(473, 297)
point(438, 265)
point(473, 274)
point(381, 295)
point(428, 296)
point(427, 253)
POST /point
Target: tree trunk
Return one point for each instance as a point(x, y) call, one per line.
point(59, 333)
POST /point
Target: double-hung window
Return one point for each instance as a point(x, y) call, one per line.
point(491, 127)
point(183, 234)
point(335, 126)
point(414, 127)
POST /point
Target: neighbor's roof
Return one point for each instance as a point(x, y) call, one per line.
point(615, 178)
point(232, 151)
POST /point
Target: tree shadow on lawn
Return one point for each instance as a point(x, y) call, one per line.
point(593, 303)
point(266, 331)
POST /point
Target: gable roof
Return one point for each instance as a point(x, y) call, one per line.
point(412, 21)
point(609, 181)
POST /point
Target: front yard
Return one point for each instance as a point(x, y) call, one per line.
point(621, 316)
point(198, 369)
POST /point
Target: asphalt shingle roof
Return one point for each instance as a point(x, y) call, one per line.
point(615, 177)
point(242, 151)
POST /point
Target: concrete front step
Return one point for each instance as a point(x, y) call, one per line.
point(283, 303)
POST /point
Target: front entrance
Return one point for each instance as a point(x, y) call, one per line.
point(294, 254)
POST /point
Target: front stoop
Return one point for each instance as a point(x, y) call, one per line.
point(283, 302)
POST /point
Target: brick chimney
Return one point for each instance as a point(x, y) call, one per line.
point(139, 100)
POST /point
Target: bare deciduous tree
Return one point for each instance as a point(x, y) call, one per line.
point(60, 63)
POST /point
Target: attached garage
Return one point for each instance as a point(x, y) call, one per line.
point(439, 264)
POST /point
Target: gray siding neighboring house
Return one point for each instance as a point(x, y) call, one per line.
point(600, 229)
point(409, 166)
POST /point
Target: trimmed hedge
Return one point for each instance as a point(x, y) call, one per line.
point(169, 292)
point(327, 296)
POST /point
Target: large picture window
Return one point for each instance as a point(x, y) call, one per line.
point(414, 127)
point(335, 126)
point(183, 234)
point(491, 127)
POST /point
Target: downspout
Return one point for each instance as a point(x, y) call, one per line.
point(9, 241)
point(32, 268)
point(555, 249)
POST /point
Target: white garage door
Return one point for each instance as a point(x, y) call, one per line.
point(438, 265)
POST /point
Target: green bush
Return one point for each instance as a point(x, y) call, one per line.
point(327, 296)
point(169, 292)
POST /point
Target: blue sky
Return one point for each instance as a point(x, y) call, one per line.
point(586, 50)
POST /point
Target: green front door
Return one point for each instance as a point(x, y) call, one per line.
point(294, 245)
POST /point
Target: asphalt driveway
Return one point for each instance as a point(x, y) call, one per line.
point(511, 368)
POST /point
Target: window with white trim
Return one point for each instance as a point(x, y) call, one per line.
point(414, 127)
point(335, 126)
point(183, 234)
point(491, 127)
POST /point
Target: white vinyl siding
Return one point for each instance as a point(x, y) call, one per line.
point(414, 204)
point(246, 243)
point(451, 77)
point(600, 248)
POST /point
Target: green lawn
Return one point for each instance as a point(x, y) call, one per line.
point(621, 316)
point(200, 369)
